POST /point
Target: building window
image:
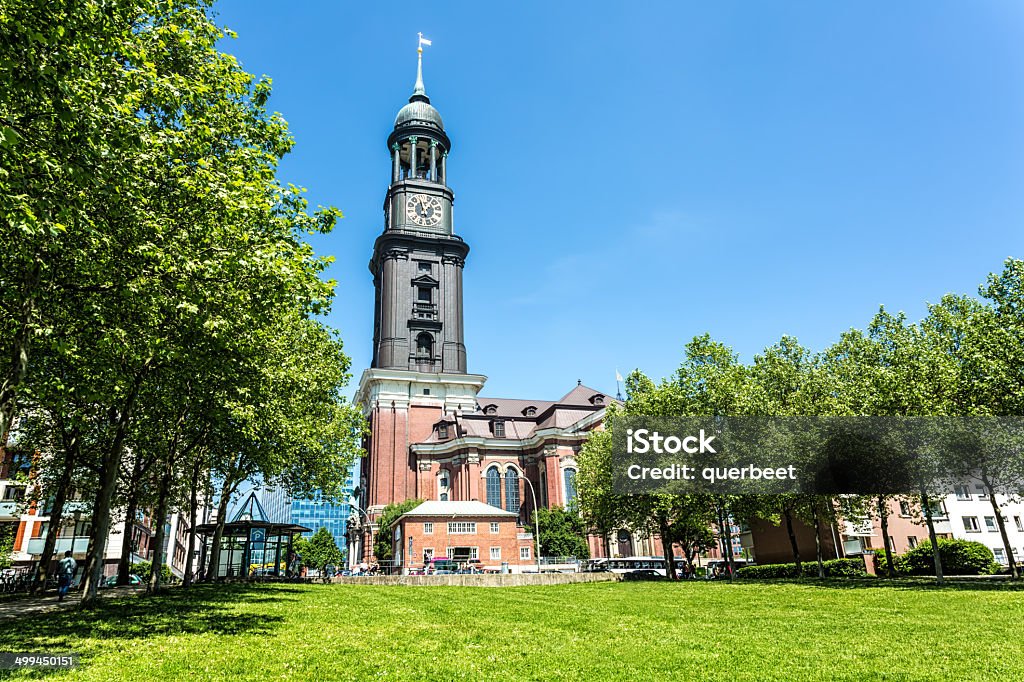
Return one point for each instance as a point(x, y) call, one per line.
point(424, 267)
point(512, 491)
point(990, 524)
point(530, 411)
point(982, 495)
point(1000, 555)
point(938, 509)
point(428, 528)
point(499, 429)
point(962, 492)
point(524, 553)
point(971, 524)
point(495, 553)
point(494, 487)
point(424, 345)
point(442, 431)
point(1017, 522)
point(428, 554)
point(443, 486)
point(904, 508)
point(543, 488)
point(912, 541)
point(494, 527)
point(461, 528)
point(570, 486)
point(423, 295)
point(474, 552)
point(491, 409)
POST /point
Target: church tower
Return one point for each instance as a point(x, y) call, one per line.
point(418, 260)
point(418, 372)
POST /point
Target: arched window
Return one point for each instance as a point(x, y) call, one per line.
point(424, 345)
point(512, 491)
point(494, 487)
point(570, 486)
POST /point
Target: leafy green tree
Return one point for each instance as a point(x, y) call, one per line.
point(382, 542)
point(563, 532)
point(320, 550)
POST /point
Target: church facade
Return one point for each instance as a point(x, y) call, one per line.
point(433, 435)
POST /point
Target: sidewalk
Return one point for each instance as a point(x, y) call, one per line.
point(31, 606)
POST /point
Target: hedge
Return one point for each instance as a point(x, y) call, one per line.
point(834, 568)
point(959, 557)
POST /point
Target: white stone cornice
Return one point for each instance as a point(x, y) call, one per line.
point(402, 388)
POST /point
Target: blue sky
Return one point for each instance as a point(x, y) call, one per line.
point(630, 175)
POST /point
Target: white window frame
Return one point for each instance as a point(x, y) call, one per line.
point(524, 553)
point(495, 553)
point(971, 524)
point(428, 527)
point(993, 527)
point(474, 553)
point(428, 553)
point(461, 528)
point(495, 528)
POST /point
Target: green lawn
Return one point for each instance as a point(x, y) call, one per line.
point(689, 631)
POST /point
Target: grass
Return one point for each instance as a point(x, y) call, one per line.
point(682, 631)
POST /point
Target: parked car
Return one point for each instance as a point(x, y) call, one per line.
point(643, 574)
point(112, 580)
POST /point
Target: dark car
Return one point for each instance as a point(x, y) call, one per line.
point(643, 574)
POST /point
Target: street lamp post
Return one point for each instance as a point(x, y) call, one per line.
point(536, 519)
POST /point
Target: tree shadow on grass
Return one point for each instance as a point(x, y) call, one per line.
point(205, 609)
point(916, 584)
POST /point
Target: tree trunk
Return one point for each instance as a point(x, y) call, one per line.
point(104, 496)
point(883, 516)
point(124, 565)
point(160, 539)
point(726, 532)
point(932, 537)
point(817, 541)
point(1014, 571)
point(787, 512)
point(57, 514)
point(666, 549)
point(193, 505)
point(213, 566)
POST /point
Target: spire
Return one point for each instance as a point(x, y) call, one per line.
point(419, 93)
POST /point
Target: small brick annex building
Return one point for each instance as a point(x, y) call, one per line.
point(467, 532)
point(432, 435)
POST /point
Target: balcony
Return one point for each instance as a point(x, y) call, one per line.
point(942, 526)
point(424, 311)
point(78, 545)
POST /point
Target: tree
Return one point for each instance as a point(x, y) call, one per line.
point(320, 550)
point(562, 532)
point(382, 543)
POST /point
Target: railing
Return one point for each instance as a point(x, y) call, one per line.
point(549, 560)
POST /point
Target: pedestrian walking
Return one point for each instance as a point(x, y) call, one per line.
point(66, 569)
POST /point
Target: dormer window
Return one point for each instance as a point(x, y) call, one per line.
point(442, 431)
point(597, 399)
point(530, 411)
point(491, 409)
point(499, 429)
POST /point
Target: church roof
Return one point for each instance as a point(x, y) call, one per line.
point(455, 509)
point(419, 111)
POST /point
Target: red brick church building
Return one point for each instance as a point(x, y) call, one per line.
point(433, 436)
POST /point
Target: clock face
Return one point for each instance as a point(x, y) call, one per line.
point(423, 210)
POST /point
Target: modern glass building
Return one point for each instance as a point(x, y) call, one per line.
point(314, 513)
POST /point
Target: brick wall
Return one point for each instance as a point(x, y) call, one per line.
point(443, 543)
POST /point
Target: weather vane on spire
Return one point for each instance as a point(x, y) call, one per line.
point(419, 89)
